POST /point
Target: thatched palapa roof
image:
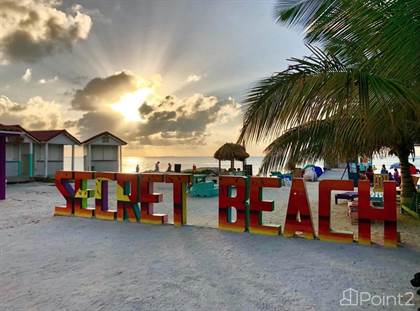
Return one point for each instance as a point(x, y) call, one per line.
point(231, 151)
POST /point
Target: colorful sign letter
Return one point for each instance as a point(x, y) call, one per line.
point(388, 213)
point(325, 232)
point(257, 205)
point(179, 197)
point(148, 198)
point(227, 202)
point(299, 206)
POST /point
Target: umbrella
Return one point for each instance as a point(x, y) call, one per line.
point(398, 165)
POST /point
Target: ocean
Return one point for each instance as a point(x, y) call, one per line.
point(148, 163)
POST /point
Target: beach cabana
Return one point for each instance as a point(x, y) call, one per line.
point(19, 155)
point(49, 152)
point(231, 152)
point(6, 132)
point(103, 152)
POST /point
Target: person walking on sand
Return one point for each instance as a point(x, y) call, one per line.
point(169, 169)
point(137, 168)
point(157, 169)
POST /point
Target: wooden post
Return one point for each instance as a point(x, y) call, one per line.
point(19, 159)
point(120, 159)
point(2, 167)
point(72, 157)
point(31, 159)
point(46, 160)
point(220, 168)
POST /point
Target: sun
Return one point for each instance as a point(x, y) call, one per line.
point(130, 103)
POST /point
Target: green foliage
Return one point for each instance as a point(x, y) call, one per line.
point(357, 95)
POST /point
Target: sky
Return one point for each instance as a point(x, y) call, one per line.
point(167, 76)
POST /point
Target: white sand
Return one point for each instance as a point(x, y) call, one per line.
point(55, 263)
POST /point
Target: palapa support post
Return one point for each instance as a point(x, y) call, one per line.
point(325, 232)
point(226, 202)
point(388, 214)
point(128, 197)
point(180, 183)
point(82, 194)
point(148, 198)
point(62, 183)
point(257, 205)
point(299, 206)
point(102, 210)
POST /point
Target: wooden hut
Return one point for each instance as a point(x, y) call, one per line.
point(231, 152)
point(49, 152)
point(103, 152)
point(36, 153)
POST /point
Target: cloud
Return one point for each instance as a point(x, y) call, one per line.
point(163, 120)
point(33, 29)
point(47, 81)
point(101, 91)
point(193, 78)
point(28, 114)
point(27, 76)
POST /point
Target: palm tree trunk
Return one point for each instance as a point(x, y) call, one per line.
point(232, 165)
point(408, 190)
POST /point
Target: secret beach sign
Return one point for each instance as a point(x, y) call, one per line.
point(135, 199)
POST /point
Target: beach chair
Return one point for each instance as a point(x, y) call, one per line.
point(204, 189)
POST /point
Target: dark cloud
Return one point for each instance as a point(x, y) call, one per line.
point(32, 30)
point(145, 109)
point(100, 91)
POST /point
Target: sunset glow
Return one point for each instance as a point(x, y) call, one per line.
point(130, 103)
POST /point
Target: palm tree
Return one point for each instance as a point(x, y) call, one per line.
point(355, 96)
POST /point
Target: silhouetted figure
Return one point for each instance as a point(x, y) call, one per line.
point(169, 169)
point(384, 170)
point(157, 169)
point(137, 168)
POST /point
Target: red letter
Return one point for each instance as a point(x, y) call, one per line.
point(148, 198)
point(62, 182)
point(226, 202)
point(298, 205)
point(179, 197)
point(325, 232)
point(388, 214)
point(82, 194)
point(127, 197)
point(101, 196)
point(257, 205)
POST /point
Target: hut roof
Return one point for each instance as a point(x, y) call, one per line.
point(106, 133)
point(45, 136)
point(231, 151)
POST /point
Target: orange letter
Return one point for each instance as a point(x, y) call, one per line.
point(388, 214)
point(298, 205)
point(325, 232)
point(148, 198)
point(257, 205)
point(226, 202)
point(179, 197)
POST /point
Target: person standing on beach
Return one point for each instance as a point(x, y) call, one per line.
point(157, 169)
point(384, 170)
point(169, 169)
point(194, 169)
point(137, 168)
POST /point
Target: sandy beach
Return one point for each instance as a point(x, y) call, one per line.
point(54, 263)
